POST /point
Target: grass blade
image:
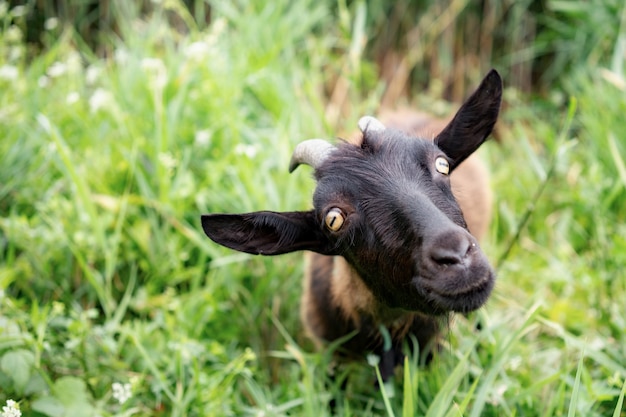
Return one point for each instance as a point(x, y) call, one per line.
point(576, 388)
point(444, 398)
point(383, 392)
point(620, 401)
point(408, 400)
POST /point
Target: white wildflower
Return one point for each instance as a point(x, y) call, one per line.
point(202, 49)
point(58, 308)
point(13, 34)
point(92, 74)
point(16, 52)
point(248, 150)
point(43, 81)
point(218, 26)
point(497, 394)
point(8, 72)
point(57, 69)
point(74, 63)
point(373, 359)
point(72, 97)
point(121, 392)
point(202, 137)
point(155, 68)
point(168, 161)
point(12, 409)
point(18, 11)
point(51, 23)
point(197, 50)
point(121, 56)
point(100, 99)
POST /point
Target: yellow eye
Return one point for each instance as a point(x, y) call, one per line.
point(334, 219)
point(442, 165)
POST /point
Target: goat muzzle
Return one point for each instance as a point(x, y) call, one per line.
point(459, 277)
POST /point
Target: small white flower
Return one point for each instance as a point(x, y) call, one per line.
point(72, 97)
point(218, 26)
point(100, 99)
point(13, 34)
point(197, 50)
point(121, 392)
point(43, 81)
point(121, 56)
point(58, 308)
point(15, 53)
point(92, 74)
point(8, 72)
point(373, 359)
point(74, 63)
point(248, 150)
point(155, 68)
point(57, 69)
point(202, 137)
point(18, 11)
point(12, 409)
point(51, 23)
point(167, 160)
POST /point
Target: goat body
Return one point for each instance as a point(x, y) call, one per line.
point(389, 229)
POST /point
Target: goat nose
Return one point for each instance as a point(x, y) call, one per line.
point(450, 249)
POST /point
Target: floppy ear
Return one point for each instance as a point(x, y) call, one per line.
point(266, 232)
point(473, 122)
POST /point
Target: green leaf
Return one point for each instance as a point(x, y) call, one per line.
point(73, 395)
point(49, 406)
point(17, 365)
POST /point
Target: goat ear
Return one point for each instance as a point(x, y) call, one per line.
point(473, 122)
point(265, 232)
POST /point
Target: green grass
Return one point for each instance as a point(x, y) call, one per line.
point(106, 276)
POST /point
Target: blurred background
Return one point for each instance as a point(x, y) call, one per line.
point(121, 122)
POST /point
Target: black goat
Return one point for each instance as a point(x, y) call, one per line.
point(390, 241)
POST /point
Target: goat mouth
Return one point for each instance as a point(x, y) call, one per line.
point(461, 300)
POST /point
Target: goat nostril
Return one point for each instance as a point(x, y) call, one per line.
point(445, 257)
point(451, 251)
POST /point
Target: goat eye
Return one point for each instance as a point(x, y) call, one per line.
point(442, 165)
point(334, 219)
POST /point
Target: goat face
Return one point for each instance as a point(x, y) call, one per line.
point(386, 206)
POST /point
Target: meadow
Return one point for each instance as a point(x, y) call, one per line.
point(114, 303)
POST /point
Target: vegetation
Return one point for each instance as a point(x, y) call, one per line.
point(112, 302)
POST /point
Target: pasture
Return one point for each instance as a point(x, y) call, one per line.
point(114, 303)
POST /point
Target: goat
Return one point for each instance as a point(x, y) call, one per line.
point(390, 244)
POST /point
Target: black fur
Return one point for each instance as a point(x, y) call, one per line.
point(403, 231)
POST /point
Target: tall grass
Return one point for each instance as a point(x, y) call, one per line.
point(105, 277)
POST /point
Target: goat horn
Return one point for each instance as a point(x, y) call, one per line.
point(311, 152)
point(370, 123)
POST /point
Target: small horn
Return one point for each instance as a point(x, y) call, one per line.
point(311, 152)
point(370, 123)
